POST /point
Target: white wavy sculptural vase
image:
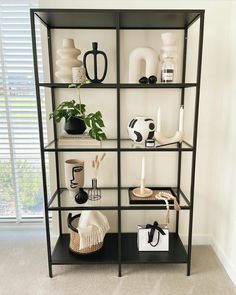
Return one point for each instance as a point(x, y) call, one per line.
point(136, 57)
point(68, 59)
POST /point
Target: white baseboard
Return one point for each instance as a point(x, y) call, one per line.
point(21, 226)
point(225, 261)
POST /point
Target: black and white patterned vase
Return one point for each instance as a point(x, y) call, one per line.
point(141, 129)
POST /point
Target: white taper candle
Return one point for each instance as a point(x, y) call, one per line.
point(158, 127)
point(181, 118)
point(143, 168)
point(142, 184)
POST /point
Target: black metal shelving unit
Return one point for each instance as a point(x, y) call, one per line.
point(119, 248)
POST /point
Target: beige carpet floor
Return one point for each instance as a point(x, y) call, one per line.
point(23, 270)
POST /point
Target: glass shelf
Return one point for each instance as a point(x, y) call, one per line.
point(125, 205)
point(129, 145)
point(90, 85)
point(105, 145)
point(109, 201)
point(128, 19)
point(126, 145)
point(122, 85)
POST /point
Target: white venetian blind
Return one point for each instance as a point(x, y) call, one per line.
point(20, 171)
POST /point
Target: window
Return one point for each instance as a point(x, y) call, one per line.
point(21, 193)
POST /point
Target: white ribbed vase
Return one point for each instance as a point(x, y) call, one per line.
point(68, 59)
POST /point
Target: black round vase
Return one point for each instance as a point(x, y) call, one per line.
point(75, 125)
point(81, 197)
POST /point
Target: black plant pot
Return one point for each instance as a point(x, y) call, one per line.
point(75, 125)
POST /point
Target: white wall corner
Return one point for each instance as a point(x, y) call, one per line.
point(225, 261)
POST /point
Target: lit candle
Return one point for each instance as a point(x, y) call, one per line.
point(142, 186)
point(158, 127)
point(181, 118)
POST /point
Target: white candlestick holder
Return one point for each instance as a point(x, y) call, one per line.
point(142, 191)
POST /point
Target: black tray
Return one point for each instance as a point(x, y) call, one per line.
point(151, 200)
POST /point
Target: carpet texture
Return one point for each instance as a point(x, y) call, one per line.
point(23, 270)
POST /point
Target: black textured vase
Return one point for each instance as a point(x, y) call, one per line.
point(81, 197)
point(75, 125)
point(95, 52)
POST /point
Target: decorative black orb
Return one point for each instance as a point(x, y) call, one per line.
point(152, 79)
point(143, 80)
point(81, 197)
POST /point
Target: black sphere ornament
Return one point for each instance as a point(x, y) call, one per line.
point(81, 197)
point(152, 79)
point(143, 80)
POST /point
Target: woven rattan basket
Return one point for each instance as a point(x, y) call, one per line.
point(74, 245)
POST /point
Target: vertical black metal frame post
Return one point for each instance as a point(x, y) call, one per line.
point(182, 103)
point(40, 126)
point(195, 130)
point(54, 126)
point(118, 140)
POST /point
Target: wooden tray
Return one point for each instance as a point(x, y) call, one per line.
point(150, 200)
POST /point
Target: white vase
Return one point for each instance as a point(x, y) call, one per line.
point(169, 48)
point(168, 57)
point(78, 75)
point(136, 57)
point(74, 175)
point(140, 129)
point(68, 59)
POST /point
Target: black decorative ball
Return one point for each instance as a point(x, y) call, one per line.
point(81, 197)
point(152, 79)
point(143, 80)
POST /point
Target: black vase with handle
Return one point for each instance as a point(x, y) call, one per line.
point(75, 125)
point(95, 52)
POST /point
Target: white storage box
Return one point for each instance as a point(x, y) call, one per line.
point(153, 237)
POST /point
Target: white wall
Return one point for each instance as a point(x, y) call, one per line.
point(215, 205)
point(223, 160)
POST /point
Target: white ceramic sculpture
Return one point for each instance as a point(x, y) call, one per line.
point(160, 138)
point(178, 136)
point(147, 54)
point(141, 129)
point(68, 60)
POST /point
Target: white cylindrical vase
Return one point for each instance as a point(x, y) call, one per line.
point(78, 75)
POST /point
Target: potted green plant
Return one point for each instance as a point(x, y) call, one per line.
point(76, 119)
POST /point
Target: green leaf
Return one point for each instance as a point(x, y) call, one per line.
point(87, 122)
point(100, 122)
